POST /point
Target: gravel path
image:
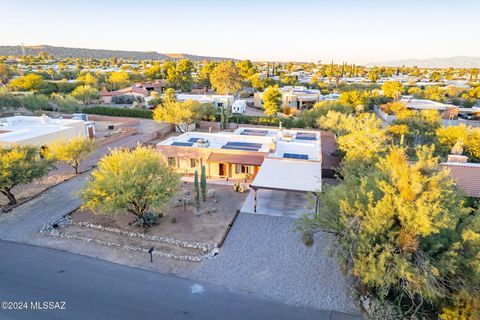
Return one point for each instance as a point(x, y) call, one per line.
point(261, 255)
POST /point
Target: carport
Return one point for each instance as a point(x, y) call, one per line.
point(288, 175)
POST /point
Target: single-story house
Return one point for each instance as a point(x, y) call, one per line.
point(42, 130)
point(106, 96)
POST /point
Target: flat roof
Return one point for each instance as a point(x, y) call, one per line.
point(286, 142)
point(289, 175)
point(18, 128)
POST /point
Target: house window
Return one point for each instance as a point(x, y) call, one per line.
point(247, 169)
point(193, 163)
point(220, 104)
point(171, 161)
point(238, 168)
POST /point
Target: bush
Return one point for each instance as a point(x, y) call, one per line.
point(120, 112)
point(126, 99)
point(307, 238)
point(8, 100)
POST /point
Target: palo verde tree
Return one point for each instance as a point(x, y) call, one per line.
point(404, 233)
point(20, 165)
point(71, 151)
point(178, 113)
point(133, 181)
point(272, 99)
point(392, 89)
point(85, 94)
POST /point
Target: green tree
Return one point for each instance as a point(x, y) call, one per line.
point(179, 75)
point(225, 78)
point(311, 116)
point(272, 99)
point(71, 151)
point(133, 181)
point(86, 94)
point(20, 165)
point(204, 74)
point(5, 73)
point(392, 89)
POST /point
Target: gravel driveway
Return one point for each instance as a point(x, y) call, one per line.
point(263, 256)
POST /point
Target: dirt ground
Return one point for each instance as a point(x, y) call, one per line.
point(178, 223)
point(24, 192)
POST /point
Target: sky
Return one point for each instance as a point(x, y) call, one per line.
point(354, 31)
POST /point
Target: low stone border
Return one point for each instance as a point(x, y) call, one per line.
point(205, 247)
point(51, 229)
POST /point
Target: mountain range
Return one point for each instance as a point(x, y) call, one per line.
point(64, 52)
point(454, 62)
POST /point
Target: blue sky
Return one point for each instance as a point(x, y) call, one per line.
point(344, 30)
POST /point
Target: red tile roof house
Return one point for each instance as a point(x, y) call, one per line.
point(106, 96)
point(466, 175)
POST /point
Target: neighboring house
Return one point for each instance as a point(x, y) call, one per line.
point(156, 85)
point(106, 96)
point(465, 174)
point(294, 97)
point(42, 130)
point(239, 106)
point(223, 101)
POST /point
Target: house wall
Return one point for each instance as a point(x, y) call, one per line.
point(183, 156)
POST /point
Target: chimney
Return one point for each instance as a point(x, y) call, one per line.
point(458, 158)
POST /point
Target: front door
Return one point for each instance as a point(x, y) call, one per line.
point(221, 169)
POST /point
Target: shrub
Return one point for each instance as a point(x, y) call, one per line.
point(126, 99)
point(120, 112)
point(307, 238)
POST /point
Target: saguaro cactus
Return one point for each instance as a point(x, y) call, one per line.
point(197, 191)
point(203, 184)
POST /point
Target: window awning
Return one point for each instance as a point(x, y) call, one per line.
point(247, 159)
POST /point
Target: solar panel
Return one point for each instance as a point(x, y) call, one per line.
point(193, 140)
point(295, 156)
point(245, 144)
point(182, 144)
point(306, 136)
point(253, 132)
point(230, 147)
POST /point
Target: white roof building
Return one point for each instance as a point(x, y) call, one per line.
point(41, 130)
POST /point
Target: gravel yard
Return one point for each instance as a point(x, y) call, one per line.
point(263, 256)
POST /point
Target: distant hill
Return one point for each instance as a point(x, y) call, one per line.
point(63, 52)
point(454, 62)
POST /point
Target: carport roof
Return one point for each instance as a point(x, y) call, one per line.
point(289, 175)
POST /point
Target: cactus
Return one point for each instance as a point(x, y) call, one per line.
point(203, 184)
point(197, 191)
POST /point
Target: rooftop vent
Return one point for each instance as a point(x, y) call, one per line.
point(202, 143)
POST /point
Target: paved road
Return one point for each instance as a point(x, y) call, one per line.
point(96, 289)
